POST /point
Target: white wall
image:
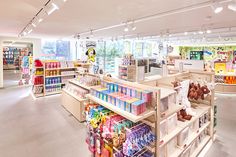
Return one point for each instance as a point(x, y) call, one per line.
point(36, 51)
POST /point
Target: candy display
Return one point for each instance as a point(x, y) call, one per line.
point(52, 72)
point(225, 79)
point(38, 80)
point(38, 89)
point(124, 97)
point(111, 135)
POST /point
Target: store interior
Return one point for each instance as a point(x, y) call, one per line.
point(118, 78)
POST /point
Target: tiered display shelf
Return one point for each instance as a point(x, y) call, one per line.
point(72, 101)
point(225, 83)
point(149, 117)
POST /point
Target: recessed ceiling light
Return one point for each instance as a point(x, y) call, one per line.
point(194, 33)
point(216, 7)
point(185, 33)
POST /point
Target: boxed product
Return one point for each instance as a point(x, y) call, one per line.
point(183, 137)
point(171, 146)
point(172, 123)
point(194, 127)
point(164, 105)
point(163, 129)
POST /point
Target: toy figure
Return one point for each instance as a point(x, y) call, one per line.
point(91, 53)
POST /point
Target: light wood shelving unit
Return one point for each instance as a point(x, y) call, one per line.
point(199, 107)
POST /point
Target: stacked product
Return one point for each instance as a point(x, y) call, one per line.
point(38, 79)
point(225, 79)
point(53, 88)
point(124, 97)
point(52, 73)
point(76, 90)
point(67, 72)
point(89, 80)
point(128, 59)
point(52, 65)
point(53, 80)
point(110, 134)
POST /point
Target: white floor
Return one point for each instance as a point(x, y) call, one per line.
point(43, 128)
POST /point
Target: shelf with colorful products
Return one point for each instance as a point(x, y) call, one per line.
point(57, 73)
point(193, 128)
point(225, 77)
point(127, 108)
point(38, 79)
point(127, 72)
point(73, 95)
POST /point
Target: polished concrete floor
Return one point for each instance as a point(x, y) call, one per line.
point(42, 127)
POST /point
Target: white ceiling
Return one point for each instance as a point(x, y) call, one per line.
point(77, 16)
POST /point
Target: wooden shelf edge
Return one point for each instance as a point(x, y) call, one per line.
point(121, 112)
point(73, 95)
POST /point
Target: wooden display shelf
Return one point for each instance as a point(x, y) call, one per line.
point(60, 75)
point(34, 95)
point(194, 135)
point(74, 96)
point(39, 85)
point(39, 75)
point(182, 125)
point(39, 67)
point(52, 93)
point(177, 152)
point(53, 84)
point(171, 111)
point(121, 112)
point(65, 68)
point(79, 84)
point(201, 146)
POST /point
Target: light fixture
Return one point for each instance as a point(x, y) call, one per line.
point(40, 20)
point(91, 33)
point(200, 32)
point(30, 31)
point(134, 28)
point(24, 33)
point(64, 0)
point(33, 24)
point(185, 33)
point(53, 8)
point(194, 33)
point(216, 7)
point(208, 31)
point(232, 6)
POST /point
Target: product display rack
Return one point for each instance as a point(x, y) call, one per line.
point(71, 100)
point(202, 135)
point(225, 83)
point(38, 84)
point(127, 72)
point(149, 117)
point(55, 74)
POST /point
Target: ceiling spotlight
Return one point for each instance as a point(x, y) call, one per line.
point(232, 6)
point(208, 31)
point(64, 0)
point(24, 33)
point(194, 33)
point(134, 28)
point(126, 29)
point(185, 33)
point(40, 20)
point(200, 32)
point(53, 8)
point(34, 25)
point(216, 7)
point(30, 31)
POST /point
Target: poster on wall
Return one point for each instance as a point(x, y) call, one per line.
point(91, 52)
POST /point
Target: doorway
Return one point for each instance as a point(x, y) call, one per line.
point(15, 62)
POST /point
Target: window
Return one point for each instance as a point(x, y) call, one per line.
point(55, 49)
